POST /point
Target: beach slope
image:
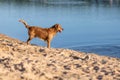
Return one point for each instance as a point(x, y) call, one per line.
point(19, 61)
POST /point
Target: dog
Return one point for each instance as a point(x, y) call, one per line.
point(45, 34)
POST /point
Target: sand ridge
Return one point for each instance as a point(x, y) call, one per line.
point(19, 61)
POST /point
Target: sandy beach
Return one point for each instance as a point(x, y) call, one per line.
point(19, 61)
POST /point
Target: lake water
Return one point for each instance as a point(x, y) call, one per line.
point(89, 25)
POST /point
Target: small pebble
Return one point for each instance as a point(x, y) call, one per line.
point(100, 77)
point(67, 67)
point(96, 68)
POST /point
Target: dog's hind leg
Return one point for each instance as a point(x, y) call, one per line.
point(31, 36)
point(29, 39)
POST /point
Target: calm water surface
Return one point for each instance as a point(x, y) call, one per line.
point(89, 26)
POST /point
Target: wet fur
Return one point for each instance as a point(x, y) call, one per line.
point(45, 34)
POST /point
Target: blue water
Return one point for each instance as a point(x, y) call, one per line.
point(89, 25)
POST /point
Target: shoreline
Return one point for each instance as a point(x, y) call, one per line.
point(19, 61)
point(110, 50)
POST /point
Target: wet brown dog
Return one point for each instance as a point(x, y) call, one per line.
point(45, 34)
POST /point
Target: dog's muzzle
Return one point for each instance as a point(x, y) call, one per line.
point(61, 30)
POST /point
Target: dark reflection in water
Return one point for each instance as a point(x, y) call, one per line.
point(62, 2)
point(90, 25)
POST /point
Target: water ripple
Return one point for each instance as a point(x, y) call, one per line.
point(107, 50)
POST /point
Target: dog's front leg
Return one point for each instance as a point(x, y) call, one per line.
point(48, 44)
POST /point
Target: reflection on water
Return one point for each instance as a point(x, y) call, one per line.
point(88, 24)
point(62, 2)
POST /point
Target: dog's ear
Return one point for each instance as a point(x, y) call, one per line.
point(56, 26)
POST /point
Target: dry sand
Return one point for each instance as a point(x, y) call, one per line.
point(19, 61)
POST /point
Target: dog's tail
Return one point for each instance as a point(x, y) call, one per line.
point(25, 23)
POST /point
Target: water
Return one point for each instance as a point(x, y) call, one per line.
point(89, 25)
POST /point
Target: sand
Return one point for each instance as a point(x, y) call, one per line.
point(19, 61)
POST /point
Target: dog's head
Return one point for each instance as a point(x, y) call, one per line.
point(58, 27)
